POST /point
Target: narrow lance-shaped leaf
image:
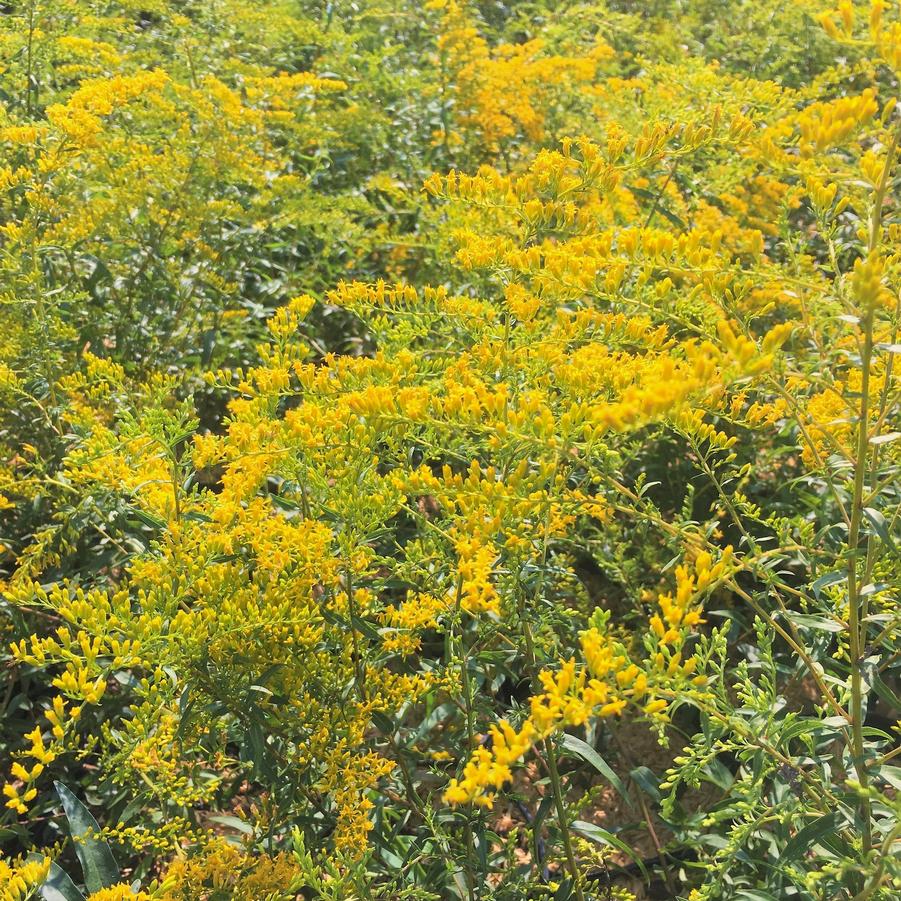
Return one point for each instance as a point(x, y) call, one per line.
point(582, 749)
point(97, 861)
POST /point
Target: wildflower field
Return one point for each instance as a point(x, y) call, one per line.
point(450, 450)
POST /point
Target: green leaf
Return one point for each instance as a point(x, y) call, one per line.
point(645, 779)
point(719, 774)
point(887, 438)
point(460, 884)
point(584, 750)
point(880, 526)
point(830, 578)
point(808, 836)
point(891, 775)
point(97, 861)
point(235, 823)
point(753, 894)
point(660, 208)
point(797, 727)
point(543, 809)
point(603, 837)
point(383, 723)
point(148, 519)
point(812, 621)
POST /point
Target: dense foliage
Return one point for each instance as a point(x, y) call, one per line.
point(450, 450)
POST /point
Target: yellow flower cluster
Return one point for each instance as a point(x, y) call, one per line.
point(23, 790)
point(676, 610)
point(120, 892)
point(604, 684)
point(489, 768)
point(505, 90)
point(828, 414)
point(885, 37)
point(80, 117)
point(19, 879)
point(351, 777)
point(830, 124)
point(220, 868)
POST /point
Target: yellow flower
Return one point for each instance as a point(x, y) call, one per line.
point(120, 892)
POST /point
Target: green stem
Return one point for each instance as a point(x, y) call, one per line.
point(29, 60)
point(857, 639)
point(661, 192)
point(557, 789)
point(470, 729)
point(359, 672)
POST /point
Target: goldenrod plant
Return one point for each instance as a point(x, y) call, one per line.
point(450, 450)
